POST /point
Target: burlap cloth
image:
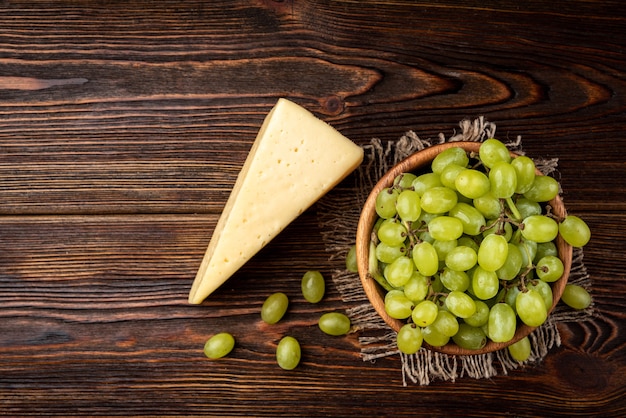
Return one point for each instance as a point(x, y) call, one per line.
point(338, 215)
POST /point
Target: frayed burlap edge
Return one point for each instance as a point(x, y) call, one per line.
point(338, 215)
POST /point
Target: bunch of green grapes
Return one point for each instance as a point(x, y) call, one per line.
point(466, 251)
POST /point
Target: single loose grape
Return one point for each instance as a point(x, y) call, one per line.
point(274, 307)
point(219, 345)
point(492, 151)
point(539, 228)
point(493, 252)
point(288, 353)
point(409, 339)
point(520, 350)
point(425, 313)
point(313, 286)
point(576, 296)
point(531, 308)
point(351, 263)
point(575, 231)
point(469, 337)
point(386, 202)
point(502, 323)
point(408, 205)
point(334, 323)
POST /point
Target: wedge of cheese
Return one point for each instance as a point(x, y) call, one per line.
point(295, 159)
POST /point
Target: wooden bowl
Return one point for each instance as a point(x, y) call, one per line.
point(375, 293)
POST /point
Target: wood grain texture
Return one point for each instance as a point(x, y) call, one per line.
point(123, 126)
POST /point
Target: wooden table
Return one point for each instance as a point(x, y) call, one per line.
point(123, 126)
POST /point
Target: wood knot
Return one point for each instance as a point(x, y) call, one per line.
point(333, 105)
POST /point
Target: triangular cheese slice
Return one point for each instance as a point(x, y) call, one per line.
point(295, 159)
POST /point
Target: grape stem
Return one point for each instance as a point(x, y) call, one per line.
point(514, 211)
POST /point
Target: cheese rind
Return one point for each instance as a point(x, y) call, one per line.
point(295, 160)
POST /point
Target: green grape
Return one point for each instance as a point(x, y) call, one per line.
point(485, 284)
point(443, 247)
point(460, 304)
point(575, 231)
point(351, 262)
point(313, 286)
point(409, 339)
point(386, 253)
point(470, 217)
point(527, 207)
point(544, 290)
point(416, 288)
point(488, 205)
point(425, 258)
point(472, 183)
point(435, 284)
point(455, 155)
point(219, 345)
point(334, 323)
point(274, 307)
point(510, 296)
point(433, 337)
point(449, 175)
point(446, 323)
point(520, 350)
point(480, 317)
point(397, 305)
point(492, 151)
point(513, 264)
point(539, 228)
point(549, 269)
point(288, 353)
point(531, 308)
point(528, 249)
point(525, 171)
point(503, 180)
point(454, 279)
point(544, 188)
point(399, 271)
point(467, 241)
point(461, 258)
point(469, 337)
point(445, 228)
point(576, 296)
point(425, 313)
point(493, 252)
point(502, 323)
point(408, 205)
point(426, 181)
point(386, 202)
point(404, 180)
point(546, 249)
point(438, 200)
point(392, 232)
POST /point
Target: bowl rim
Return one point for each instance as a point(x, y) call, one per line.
point(375, 292)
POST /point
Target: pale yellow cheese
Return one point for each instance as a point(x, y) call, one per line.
point(295, 159)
